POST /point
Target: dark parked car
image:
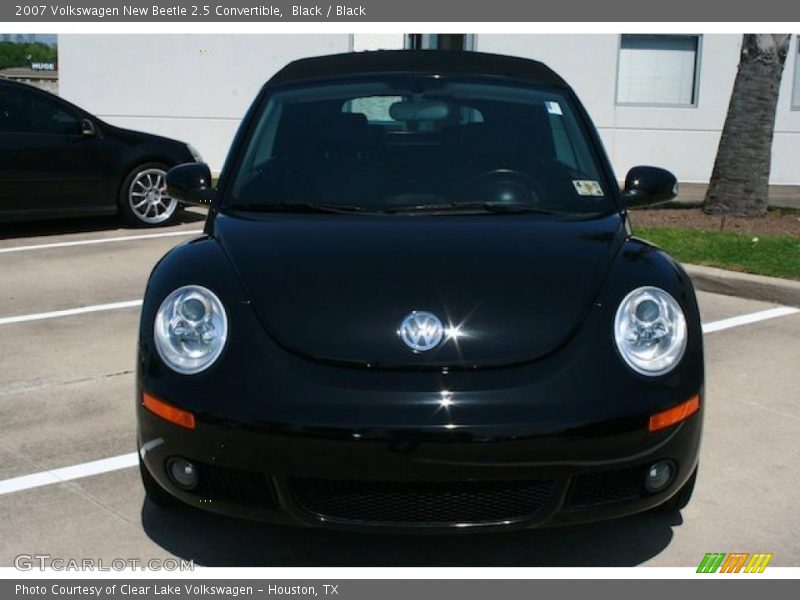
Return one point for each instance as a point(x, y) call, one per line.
point(58, 160)
point(418, 305)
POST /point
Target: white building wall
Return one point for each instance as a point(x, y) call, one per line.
point(197, 88)
point(682, 139)
point(194, 88)
point(786, 145)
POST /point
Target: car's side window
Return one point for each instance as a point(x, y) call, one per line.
point(565, 153)
point(24, 112)
point(568, 150)
point(266, 132)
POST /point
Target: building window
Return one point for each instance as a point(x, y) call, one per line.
point(796, 92)
point(658, 70)
point(377, 41)
point(440, 41)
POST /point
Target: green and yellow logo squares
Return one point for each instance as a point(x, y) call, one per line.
point(735, 562)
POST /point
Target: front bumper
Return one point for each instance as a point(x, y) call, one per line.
point(291, 439)
point(415, 480)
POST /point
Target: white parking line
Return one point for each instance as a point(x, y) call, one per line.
point(69, 312)
point(124, 238)
point(88, 469)
point(762, 315)
point(125, 461)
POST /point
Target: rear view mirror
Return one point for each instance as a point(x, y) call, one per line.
point(647, 186)
point(190, 183)
point(420, 110)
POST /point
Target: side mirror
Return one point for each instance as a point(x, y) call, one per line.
point(191, 183)
point(647, 186)
point(87, 127)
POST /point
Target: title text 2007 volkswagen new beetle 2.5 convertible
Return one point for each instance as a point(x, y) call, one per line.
point(418, 306)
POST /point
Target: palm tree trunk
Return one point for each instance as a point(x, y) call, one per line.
point(740, 180)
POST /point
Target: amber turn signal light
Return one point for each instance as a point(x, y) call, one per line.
point(674, 415)
point(168, 412)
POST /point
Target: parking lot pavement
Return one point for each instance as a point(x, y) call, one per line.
point(66, 399)
point(88, 230)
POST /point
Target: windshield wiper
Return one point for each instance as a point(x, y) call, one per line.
point(490, 206)
point(296, 207)
point(312, 207)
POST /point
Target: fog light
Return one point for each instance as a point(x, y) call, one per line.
point(658, 476)
point(182, 472)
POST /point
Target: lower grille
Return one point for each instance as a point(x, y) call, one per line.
point(237, 486)
point(595, 489)
point(422, 502)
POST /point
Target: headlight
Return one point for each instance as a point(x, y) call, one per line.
point(650, 331)
point(195, 154)
point(190, 329)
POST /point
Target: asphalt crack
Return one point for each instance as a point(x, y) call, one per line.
point(27, 386)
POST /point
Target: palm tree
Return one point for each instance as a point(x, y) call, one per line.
point(740, 180)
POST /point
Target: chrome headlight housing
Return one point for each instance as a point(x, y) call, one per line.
point(650, 331)
point(190, 329)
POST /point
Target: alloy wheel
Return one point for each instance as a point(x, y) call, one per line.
point(147, 197)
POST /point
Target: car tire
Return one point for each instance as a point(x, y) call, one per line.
point(142, 197)
point(681, 498)
point(154, 492)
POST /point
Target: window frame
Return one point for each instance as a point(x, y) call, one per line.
point(697, 72)
point(430, 41)
point(794, 98)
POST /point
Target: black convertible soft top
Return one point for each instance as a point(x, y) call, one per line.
point(442, 62)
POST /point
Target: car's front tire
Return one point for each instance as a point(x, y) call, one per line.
point(143, 200)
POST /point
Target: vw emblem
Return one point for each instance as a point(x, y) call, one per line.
point(421, 331)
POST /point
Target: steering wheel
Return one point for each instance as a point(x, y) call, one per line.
point(500, 186)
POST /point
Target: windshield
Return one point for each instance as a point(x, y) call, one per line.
point(419, 144)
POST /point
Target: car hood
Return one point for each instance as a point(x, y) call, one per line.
point(511, 288)
point(133, 136)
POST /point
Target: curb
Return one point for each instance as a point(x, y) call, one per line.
point(744, 285)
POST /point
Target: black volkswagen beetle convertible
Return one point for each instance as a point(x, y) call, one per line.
point(418, 306)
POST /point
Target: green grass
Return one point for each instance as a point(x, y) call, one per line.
point(774, 255)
